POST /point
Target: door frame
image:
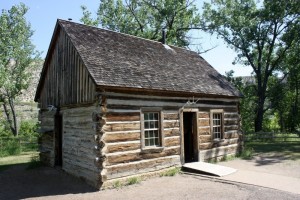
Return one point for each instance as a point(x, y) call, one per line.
point(195, 111)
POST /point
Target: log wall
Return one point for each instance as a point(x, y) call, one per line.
point(122, 133)
point(79, 144)
point(46, 139)
point(66, 80)
point(229, 145)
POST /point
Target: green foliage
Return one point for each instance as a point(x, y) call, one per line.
point(133, 180)
point(247, 153)
point(261, 34)
point(29, 128)
point(10, 147)
point(117, 184)
point(171, 172)
point(34, 163)
point(147, 18)
point(16, 59)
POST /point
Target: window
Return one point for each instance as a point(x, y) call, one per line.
point(217, 124)
point(151, 125)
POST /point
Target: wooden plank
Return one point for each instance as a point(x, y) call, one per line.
point(122, 146)
point(122, 127)
point(171, 132)
point(123, 136)
point(142, 166)
point(172, 141)
point(130, 157)
point(133, 116)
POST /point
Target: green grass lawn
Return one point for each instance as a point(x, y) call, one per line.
point(286, 147)
point(23, 158)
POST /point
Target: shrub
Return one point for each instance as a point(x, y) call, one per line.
point(133, 180)
point(171, 172)
point(34, 163)
point(247, 153)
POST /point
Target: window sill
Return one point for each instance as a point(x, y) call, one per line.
point(152, 149)
point(218, 140)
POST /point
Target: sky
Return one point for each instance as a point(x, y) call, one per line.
point(43, 14)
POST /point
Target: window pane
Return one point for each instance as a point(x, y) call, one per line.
point(151, 116)
point(152, 124)
point(147, 142)
point(146, 116)
point(146, 125)
point(151, 142)
point(156, 141)
point(155, 116)
point(146, 134)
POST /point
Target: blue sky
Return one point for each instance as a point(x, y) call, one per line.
point(43, 14)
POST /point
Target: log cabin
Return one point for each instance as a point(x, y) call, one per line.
point(113, 106)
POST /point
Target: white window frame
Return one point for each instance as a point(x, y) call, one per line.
point(160, 144)
point(220, 126)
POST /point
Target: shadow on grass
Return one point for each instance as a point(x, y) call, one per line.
point(17, 182)
point(268, 153)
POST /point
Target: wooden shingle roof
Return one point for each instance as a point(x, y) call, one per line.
point(120, 60)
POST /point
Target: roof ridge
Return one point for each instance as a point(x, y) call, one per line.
point(126, 34)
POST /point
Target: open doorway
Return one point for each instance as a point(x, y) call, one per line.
point(190, 137)
point(58, 138)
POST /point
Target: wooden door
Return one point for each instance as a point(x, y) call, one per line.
point(190, 137)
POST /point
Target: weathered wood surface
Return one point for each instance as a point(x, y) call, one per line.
point(113, 159)
point(78, 143)
point(219, 152)
point(138, 167)
point(66, 81)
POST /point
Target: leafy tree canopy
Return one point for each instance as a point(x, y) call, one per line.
point(17, 55)
point(146, 18)
point(260, 33)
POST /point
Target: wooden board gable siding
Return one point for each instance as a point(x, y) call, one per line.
point(67, 81)
point(79, 144)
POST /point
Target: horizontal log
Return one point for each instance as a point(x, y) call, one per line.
point(204, 130)
point(142, 166)
point(205, 138)
point(129, 157)
point(123, 136)
point(203, 115)
point(172, 141)
point(171, 116)
point(210, 145)
point(171, 132)
point(231, 134)
point(231, 115)
point(229, 122)
point(231, 128)
point(131, 116)
point(122, 127)
point(171, 124)
point(218, 151)
point(123, 146)
point(203, 122)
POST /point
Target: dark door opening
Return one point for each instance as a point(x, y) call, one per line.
point(58, 139)
point(190, 137)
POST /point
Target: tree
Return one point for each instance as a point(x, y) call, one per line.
point(17, 56)
point(146, 18)
point(260, 33)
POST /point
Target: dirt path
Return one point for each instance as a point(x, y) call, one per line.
point(47, 183)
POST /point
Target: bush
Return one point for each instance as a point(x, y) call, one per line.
point(10, 147)
point(28, 128)
point(133, 180)
point(247, 153)
point(171, 172)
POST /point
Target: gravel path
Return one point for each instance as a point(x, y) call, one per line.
point(47, 183)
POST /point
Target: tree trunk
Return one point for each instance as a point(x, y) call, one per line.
point(259, 116)
point(8, 118)
point(15, 121)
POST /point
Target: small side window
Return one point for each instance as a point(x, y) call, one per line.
point(151, 129)
point(217, 129)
